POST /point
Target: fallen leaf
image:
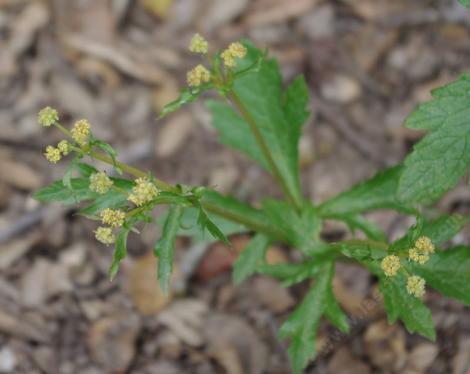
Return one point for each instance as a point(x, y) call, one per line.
point(185, 319)
point(235, 345)
point(344, 362)
point(385, 345)
point(270, 293)
point(144, 288)
point(111, 341)
point(173, 134)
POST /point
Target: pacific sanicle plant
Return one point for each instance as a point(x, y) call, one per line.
point(263, 121)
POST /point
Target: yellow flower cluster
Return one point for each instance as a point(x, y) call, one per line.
point(198, 44)
point(415, 286)
point(234, 50)
point(113, 217)
point(81, 131)
point(198, 75)
point(64, 147)
point(105, 235)
point(421, 251)
point(390, 265)
point(143, 192)
point(48, 116)
point(100, 182)
point(52, 154)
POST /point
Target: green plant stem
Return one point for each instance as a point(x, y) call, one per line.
point(255, 225)
point(232, 96)
point(231, 216)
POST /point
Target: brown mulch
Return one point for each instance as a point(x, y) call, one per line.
point(117, 62)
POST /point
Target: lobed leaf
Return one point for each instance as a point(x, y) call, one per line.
point(302, 230)
point(399, 304)
point(439, 230)
point(442, 157)
point(164, 248)
point(278, 117)
point(186, 96)
point(120, 251)
point(248, 260)
point(448, 272)
point(379, 192)
point(58, 192)
point(302, 325)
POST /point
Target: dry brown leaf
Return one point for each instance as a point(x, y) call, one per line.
point(144, 289)
point(461, 361)
point(344, 362)
point(19, 175)
point(111, 341)
point(235, 345)
point(123, 57)
point(185, 319)
point(16, 325)
point(421, 358)
point(270, 293)
point(385, 345)
point(173, 134)
point(278, 11)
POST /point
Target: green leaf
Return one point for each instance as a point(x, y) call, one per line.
point(205, 223)
point(59, 193)
point(235, 132)
point(399, 304)
point(120, 252)
point(369, 228)
point(438, 230)
point(107, 148)
point(111, 199)
point(259, 92)
point(190, 228)
point(66, 180)
point(302, 325)
point(165, 246)
point(303, 230)
point(448, 272)
point(442, 157)
point(376, 193)
point(186, 96)
point(241, 213)
point(249, 259)
point(85, 170)
point(290, 274)
point(465, 3)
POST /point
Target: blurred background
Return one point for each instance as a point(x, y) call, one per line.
point(117, 62)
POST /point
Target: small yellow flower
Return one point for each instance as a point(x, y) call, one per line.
point(81, 131)
point(237, 49)
point(424, 245)
point(234, 50)
point(390, 265)
point(417, 256)
point(47, 116)
point(64, 147)
point(198, 75)
point(105, 235)
point(113, 217)
point(52, 154)
point(143, 192)
point(415, 286)
point(100, 182)
point(198, 44)
point(229, 60)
